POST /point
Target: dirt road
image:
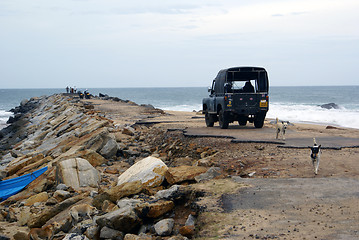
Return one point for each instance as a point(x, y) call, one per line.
point(295, 208)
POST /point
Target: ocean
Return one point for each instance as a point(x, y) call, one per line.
point(294, 104)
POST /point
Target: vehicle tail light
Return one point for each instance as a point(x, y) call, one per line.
point(267, 97)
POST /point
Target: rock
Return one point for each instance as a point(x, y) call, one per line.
point(76, 173)
point(164, 227)
point(331, 127)
point(24, 216)
point(123, 219)
point(92, 232)
point(159, 208)
point(141, 236)
point(111, 170)
point(191, 220)
point(178, 237)
point(38, 220)
point(108, 206)
point(124, 190)
point(61, 186)
point(187, 231)
point(3, 174)
point(330, 106)
point(110, 149)
point(41, 197)
point(210, 174)
point(183, 173)
point(173, 193)
point(208, 161)
point(129, 131)
point(128, 202)
point(75, 236)
point(61, 195)
point(109, 233)
point(92, 157)
point(150, 171)
point(20, 235)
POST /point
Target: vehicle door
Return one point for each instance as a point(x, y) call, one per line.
point(212, 104)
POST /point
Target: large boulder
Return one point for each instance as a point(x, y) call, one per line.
point(183, 173)
point(150, 171)
point(76, 173)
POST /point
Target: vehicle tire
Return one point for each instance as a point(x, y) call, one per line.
point(209, 119)
point(259, 120)
point(223, 119)
point(242, 121)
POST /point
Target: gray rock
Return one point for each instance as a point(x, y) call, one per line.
point(128, 203)
point(164, 227)
point(7, 158)
point(330, 106)
point(92, 232)
point(110, 149)
point(191, 220)
point(110, 233)
point(61, 186)
point(61, 195)
point(170, 194)
point(210, 174)
point(123, 219)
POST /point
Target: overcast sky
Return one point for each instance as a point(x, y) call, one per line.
point(176, 43)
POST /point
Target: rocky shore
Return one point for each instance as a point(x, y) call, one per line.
point(105, 180)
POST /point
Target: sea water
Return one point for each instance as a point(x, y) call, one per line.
point(294, 104)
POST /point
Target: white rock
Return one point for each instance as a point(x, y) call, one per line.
point(150, 171)
point(77, 172)
point(164, 227)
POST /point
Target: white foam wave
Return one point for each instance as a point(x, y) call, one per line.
point(183, 107)
point(4, 115)
point(315, 114)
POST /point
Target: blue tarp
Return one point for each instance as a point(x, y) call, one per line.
point(12, 186)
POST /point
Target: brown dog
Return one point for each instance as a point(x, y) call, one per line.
point(82, 210)
point(45, 232)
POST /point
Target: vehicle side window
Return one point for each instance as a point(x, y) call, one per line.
point(213, 87)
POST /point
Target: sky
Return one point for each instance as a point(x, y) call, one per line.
point(176, 43)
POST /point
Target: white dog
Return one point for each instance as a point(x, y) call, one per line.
point(281, 126)
point(315, 155)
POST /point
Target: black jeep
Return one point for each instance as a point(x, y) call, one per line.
point(237, 94)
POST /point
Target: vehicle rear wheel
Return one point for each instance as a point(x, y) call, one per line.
point(223, 119)
point(209, 119)
point(259, 120)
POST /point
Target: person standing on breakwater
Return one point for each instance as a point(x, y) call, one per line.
point(67, 89)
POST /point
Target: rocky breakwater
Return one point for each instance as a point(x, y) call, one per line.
point(103, 181)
